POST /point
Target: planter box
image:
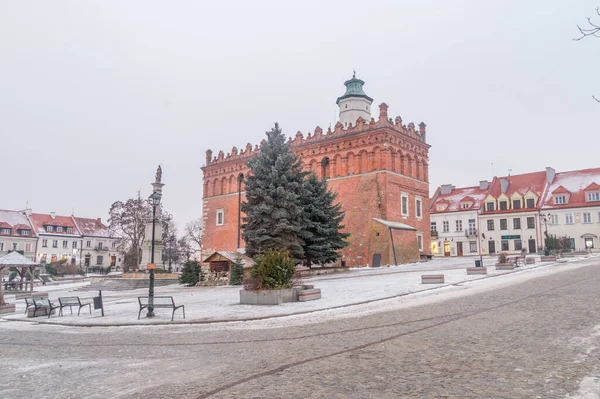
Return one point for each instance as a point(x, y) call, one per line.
point(24, 295)
point(529, 261)
point(548, 259)
point(476, 270)
point(266, 297)
point(505, 266)
point(581, 253)
point(309, 295)
point(432, 279)
point(8, 308)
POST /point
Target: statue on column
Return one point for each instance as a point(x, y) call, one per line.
point(158, 174)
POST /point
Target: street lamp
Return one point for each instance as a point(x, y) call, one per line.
point(155, 200)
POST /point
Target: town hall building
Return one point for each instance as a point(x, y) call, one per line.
point(378, 167)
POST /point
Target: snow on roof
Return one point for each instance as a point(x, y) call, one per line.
point(231, 256)
point(521, 184)
point(15, 259)
point(459, 195)
point(91, 227)
point(15, 220)
point(576, 182)
point(395, 225)
point(40, 220)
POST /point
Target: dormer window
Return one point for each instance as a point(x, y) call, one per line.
point(489, 206)
point(4, 231)
point(59, 229)
point(593, 197)
point(503, 205)
point(49, 229)
point(560, 199)
point(69, 230)
point(24, 232)
point(465, 205)
point(530, 203)
point(516, 204)
point(441, 207)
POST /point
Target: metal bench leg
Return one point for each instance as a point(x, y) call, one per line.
point(79, 311)
point(183, 308)
point(173, 314)
point(140, 312)
point(90, 307)
point(60, 313)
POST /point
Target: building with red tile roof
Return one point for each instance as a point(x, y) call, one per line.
point(16, 234)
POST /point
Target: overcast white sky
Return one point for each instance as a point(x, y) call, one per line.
point(95, 94)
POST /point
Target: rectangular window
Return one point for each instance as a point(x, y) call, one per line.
point(593, 197)
point(44, 243)
point(553, 219)
point(569, 218)
point(433, 226)
point(572, 240)
point(503, 205)
point(517, 223)
point(518, 245)
point(27, 247)
point(25, 232)
point(489, 206)
point(530, 202)
point(418, 208)
point(69, 230)
point(99, 260)
point(446, 226)
point(1, 246)
point(560, 199)
point(587, 217)
point(54, 243)
point(49, 229)
point(5, 231)
point(504, 245)
point(459, 225)
point(420, 241)
point(516, 204)
point(531, 223)
point(220, 214)
point(88, 244)
point(404, 209)
point(15, 246)
point(490, 224)
point(503, 224)
point(59, 229)
point(472, 246)
point(74, 244)
point(65, 244)
point(464, 206)
point(114, 244)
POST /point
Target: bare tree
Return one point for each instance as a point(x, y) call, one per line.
point(592, 30)
point(126, 220)
point(193, 234)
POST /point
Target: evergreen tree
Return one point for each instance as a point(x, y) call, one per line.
point(190, 275)
point(237, 272)
point(274, 215)
point(322, 222)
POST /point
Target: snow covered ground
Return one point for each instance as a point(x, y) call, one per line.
point(343, 294)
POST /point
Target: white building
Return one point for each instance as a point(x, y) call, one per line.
point(453, 217)
point(97, 247)
point(354, 103)
point(572, 208)
point(16, 234)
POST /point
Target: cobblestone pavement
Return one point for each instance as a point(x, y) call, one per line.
point(536, 339)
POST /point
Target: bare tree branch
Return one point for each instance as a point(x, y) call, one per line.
point(592, 30)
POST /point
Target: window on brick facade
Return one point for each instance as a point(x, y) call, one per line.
point(530, 202)
point(503, 205)
point(420, 241)
point(404, 205)
point(503, 224)
point(459, 225)
point(517, 223)
point(531, 223)
point(490, 224)
point(446, 226)
point(220, 217)
point(418, 208)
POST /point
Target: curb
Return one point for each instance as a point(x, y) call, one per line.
point(218, 321)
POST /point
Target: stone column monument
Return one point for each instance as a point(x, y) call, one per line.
point(158, 230)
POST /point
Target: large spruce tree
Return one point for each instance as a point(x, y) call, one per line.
point(322, 223)
point(273, 206)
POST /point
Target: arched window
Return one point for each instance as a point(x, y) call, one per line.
point(324, 167)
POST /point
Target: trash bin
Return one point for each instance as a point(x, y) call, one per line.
point(478, 263)
point(546, 252)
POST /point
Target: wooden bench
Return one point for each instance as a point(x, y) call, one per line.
point(43, 304)
point(70, 301)
point(432, 279)
point(166, 302)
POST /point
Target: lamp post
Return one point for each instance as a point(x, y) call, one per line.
point(155, 200)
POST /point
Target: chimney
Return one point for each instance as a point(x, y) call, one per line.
point(484, 185)
point(208, 156)
point(383, 108)
point(504, 185)
point(53, 215)
point(99, 221)
point(446, 188)
point(550, 172)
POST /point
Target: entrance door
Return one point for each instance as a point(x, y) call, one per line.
point(492, 247)
point(459, 248)
point(446, 248)
point(531, 244)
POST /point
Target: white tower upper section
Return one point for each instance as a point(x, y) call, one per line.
point(354, 103)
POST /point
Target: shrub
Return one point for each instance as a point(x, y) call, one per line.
point(274, 269)
point(190, 275)
point(237, 272)
point(503, 257)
